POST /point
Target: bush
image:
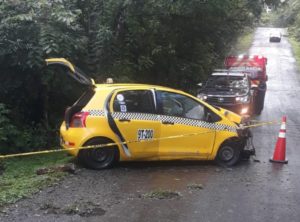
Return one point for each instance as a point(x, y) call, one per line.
point(7, 130)
point(28, 138)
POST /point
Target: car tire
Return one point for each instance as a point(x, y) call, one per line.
point(98, 158)
point(260, 98)
point(257, 111)
point(228, 154)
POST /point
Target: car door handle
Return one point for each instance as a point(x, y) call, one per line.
point(167, 122)
point(124, 120)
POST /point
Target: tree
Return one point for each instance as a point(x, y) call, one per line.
point(166, 42)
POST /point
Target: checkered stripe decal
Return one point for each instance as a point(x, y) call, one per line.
point(153, 117)
point(136, 116)
point(197, 123)
point(95, 112)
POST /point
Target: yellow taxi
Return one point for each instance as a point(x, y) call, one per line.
point(148, 122)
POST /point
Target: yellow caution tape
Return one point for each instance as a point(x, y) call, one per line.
point(99, 145)
point(126, 142)
point(260, 124)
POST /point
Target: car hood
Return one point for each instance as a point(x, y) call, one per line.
point(231, 116)
point(213, 92)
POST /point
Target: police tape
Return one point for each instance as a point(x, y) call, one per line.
point(47, 151)
point(260, 124)
point(100, 145)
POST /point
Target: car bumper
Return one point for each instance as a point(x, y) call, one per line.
point(275, 39)
point(72, 139)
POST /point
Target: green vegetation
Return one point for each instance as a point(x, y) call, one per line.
point(19, 178)
point(290, 17)
point(269, 19)
point(243, 43)
point(287, 15)
point(296, 49)
point(165, 42)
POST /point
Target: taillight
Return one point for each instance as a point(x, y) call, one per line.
point(79, 119)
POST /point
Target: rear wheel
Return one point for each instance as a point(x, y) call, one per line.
point(228, 154)
point(98, 158)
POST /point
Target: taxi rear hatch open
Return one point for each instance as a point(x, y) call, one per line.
point(73, 71)
point(77, 74)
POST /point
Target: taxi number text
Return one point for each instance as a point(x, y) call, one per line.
point(145, 134)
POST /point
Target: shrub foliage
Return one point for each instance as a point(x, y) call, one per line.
point(167, 42)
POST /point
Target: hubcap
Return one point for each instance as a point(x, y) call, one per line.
point(227, 153)
point(100, 155)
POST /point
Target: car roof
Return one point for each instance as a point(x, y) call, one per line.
point(275, 33)
point(115, 86)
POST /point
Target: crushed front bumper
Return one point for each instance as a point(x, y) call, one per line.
point(246, 139)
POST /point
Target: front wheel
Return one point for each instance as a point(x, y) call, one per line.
point(98, 158)
point(228, 154)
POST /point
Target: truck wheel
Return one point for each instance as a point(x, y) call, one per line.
point(258, 111)
point(98, 158)
point(228, 154)
point(257, 106)
point(260, 98)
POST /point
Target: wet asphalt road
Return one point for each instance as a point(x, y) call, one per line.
point(251, 191)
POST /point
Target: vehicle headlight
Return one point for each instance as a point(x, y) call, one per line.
point(242, 99)
point(202, 96)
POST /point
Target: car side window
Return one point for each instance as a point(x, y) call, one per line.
point(173, 104)
point(135, 101)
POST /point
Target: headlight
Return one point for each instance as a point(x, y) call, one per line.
point(202, 96)
point(244, 111)
point(242, 99)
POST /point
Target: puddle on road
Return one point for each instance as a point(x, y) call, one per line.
point(169, 176)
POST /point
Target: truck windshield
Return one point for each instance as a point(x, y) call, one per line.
point(227, 82)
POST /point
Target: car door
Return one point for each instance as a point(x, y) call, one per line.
point(134, 113)
point(183, 117)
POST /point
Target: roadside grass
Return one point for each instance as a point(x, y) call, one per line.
point(19, 178)
point(296, 49)
point(243, 43)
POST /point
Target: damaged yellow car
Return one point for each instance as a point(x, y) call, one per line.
point(148, 122)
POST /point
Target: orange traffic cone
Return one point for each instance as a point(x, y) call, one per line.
point(279, 152)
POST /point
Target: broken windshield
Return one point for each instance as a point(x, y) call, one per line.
point(228, 83)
